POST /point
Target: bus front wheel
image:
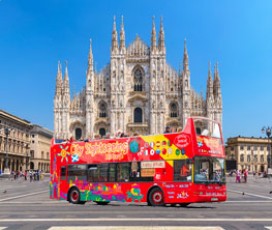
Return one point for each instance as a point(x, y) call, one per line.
point(155, 197)
point(74, 196)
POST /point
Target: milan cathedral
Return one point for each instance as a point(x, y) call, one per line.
point(137, 92)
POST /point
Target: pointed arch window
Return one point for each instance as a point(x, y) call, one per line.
point(138, 115)
point(138, 80)
point(102, 109)
point(173, 110)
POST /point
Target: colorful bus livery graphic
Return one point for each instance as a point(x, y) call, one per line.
point(175, 168)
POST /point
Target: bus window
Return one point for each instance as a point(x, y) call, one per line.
point(207, 128)
point(135, 169)
point(92, 172)
point(77, 172)
point(209, 169)
point(123, 170)
point(112, 172)
point(103, 173)
point(98, 173)
point(63, 173)
point(182, 170)
point(202, 127)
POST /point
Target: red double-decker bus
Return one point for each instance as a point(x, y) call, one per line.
point(173, 168)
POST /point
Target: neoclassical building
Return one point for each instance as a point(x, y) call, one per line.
point(23, 145)
point(14, 142)
point(40, 141)
point(138, 91)
point(252, 153)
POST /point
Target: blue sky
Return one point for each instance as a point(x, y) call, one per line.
point(34, 35)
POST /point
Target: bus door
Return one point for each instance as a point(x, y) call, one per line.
point(183, 177)
point(62, 179)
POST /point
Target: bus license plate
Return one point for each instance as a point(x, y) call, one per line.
point(214, 199)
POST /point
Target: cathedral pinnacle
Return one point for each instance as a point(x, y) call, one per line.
point(66, 77)
point(161, 37)
point(122, 35)
point(59, 80)
point(209, 83)
point(209, 71)
point(153, 35)
point(114, 40)
point(216, 84)
point(216, 75)
point(90, 61)
point(185, 58)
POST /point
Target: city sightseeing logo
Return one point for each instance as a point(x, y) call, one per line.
point(182, 140)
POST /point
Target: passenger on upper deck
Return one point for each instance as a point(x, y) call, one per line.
point(167, 130)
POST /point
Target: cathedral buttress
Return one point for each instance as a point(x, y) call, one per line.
point(121, 79)
point(90, 95)
point(217, 95)
point(186, 86)
point(153, 81)
point(153, 37)
point(209, 95)
point(161, 44)
point(114, 39)
point(114, 82)
point(58, 104)
point(122, 38)
point(66, 104)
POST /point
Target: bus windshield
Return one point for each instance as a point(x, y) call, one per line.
point(207, 128)
point(209, 170)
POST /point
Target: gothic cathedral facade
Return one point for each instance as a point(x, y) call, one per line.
point(137, 92)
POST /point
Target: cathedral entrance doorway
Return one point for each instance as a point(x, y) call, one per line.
point(102, 132)
point(78, 133)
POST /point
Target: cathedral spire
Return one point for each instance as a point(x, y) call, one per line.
point(122, 35)
point(180, 69)
point(90, 61)
point(90, 58)
point(216, 81)
point(66, 78)
point(59, 79)
point(217, 95)
point(185, 58)
point(209, 84)
point(153, 36)
point(161, 38)
point(217, 87)
point(114, 39)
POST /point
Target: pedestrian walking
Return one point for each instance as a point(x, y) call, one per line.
point(245, 175)
point(30, 176)
point(25, 174)
point(38, 175)
point(238, 176)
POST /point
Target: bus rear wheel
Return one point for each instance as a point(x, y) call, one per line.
point(74, 196)
point(155, 197)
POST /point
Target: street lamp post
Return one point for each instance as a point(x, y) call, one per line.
point(6, 169)
point(267, 131)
